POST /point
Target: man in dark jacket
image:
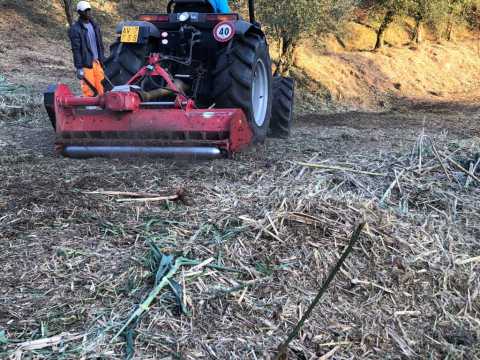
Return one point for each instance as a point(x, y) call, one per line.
point(88, 50)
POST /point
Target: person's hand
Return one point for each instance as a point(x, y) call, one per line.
point(80, 74)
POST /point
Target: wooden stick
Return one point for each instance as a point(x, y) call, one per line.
point(407, 313)
point(282, 349)
point(329, 354)
point(47, 342)
point(437, 155)
point(462, 169)
point(262, 228)
point(332, 343)
point(338, 168)
point(302, 171)
point(472, 169)
point(125, 194)
point(150, 199)
point(420, 149)
point(363, 282)
point(387, 193)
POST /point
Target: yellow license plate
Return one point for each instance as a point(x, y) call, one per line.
point(130, 34)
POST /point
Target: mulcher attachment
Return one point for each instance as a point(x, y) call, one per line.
point(125, 122)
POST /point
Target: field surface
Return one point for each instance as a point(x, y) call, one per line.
point(77, 261)
point(394, 146)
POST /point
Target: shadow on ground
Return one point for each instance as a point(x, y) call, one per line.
point(458, 117)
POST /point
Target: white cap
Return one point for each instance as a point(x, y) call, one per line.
point(83, 6)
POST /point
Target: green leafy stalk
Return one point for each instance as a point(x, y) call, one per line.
point(145, 305)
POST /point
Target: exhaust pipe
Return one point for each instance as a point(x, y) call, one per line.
point(170, 152)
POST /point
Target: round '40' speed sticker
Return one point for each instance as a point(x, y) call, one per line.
point(224, 31)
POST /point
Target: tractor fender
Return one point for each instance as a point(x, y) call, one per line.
point(147, 30)
point(243, 27)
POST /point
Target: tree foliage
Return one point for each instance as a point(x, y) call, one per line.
point(461, 11)
point(440, 15)
point(289, 21)
point(388, 11)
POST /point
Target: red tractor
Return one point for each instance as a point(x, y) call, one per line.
point(189, 82)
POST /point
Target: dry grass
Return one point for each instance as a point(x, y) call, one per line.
point(366, 80)
point(19, 103)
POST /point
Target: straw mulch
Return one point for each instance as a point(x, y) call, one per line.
point(77, 260)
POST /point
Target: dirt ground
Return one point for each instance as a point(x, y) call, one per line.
point(77, 263)
point(265, 228)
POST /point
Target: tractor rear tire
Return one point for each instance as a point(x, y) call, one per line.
point(124, 61)
point(243, 79)
point(282, 108)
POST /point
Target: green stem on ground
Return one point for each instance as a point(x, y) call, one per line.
point(145, 305)
point(283, 348)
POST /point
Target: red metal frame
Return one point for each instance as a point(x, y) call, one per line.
point(95, 121)
point(154, 69)
point(119, 118)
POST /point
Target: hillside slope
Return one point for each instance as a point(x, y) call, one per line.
point(366, 80)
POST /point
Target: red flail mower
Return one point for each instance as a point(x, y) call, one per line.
point(188, 83)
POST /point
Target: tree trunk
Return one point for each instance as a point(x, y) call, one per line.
point(67, 6)
point(417, 33)
point(387, 20)
point(449, 31)
point(286, 58)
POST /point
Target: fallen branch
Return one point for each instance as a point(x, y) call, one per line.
point(151, 199)
point(140, 196)
point(124, 194)
point(338, 168)
point(282, 349)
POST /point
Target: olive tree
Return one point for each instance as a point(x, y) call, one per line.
point(388, 10)
point(289, 21)
point(461, 11)
point(68, 8)
point(431, 12)
point(443, 15)
point(437, 14)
